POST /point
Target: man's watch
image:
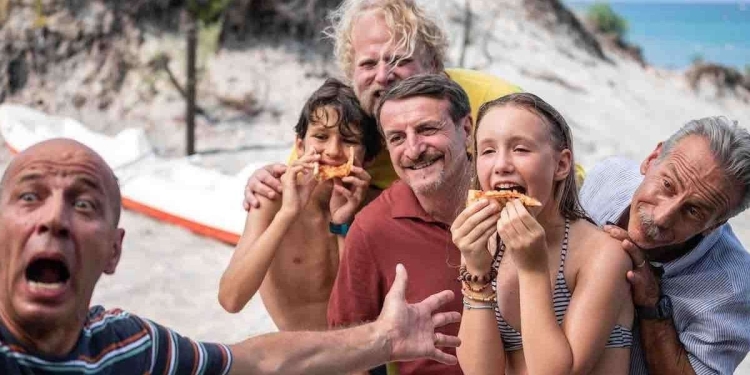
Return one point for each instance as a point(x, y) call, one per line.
point(662, 310)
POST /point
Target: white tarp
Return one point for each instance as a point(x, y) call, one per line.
point(176, 187)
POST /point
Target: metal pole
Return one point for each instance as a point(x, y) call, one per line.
point(192, 45)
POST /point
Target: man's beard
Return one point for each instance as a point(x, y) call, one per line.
point(668, 251)
point(431, 187)
point(370, 98)
point(438, 182)
point(650, 230)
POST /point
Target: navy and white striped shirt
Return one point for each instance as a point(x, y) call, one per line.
point(115, 342)
point(709, 286)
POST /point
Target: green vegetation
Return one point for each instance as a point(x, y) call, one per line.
point(747, 70)
point(606, 20)
point(208, 14)
point(697, 58)
point(41, 20)
point(208, 41)
point(207, 11)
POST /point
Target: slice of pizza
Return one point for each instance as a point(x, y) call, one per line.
point(327, 172)
point(502, 197)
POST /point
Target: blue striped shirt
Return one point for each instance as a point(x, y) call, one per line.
point(709, 286)
point(115, 342)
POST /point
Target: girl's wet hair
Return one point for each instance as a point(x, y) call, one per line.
point(565, 191)
point(352, 119)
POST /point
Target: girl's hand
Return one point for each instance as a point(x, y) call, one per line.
point(471, 230)
point(348, 195)
point(523, 237)
point(298, 183)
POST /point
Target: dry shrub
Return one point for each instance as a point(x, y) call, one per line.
point(303, 20)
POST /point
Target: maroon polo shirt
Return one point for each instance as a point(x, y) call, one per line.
point(390, 230)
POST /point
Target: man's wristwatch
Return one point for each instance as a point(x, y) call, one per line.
point(662, 310)
point(340, 229)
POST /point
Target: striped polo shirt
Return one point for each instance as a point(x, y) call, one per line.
point(116, 342)
point(708, 286)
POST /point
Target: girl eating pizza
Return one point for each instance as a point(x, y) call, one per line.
point(543, 287)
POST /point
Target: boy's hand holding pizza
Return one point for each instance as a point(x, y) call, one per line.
point(348, 194)
point(350, 185)
point(298, 183)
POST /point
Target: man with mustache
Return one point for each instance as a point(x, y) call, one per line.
point(426, 123)
point(689, 276)
point(378, 43)
point(59, 212)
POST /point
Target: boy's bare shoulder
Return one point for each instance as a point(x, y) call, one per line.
point(258, 219)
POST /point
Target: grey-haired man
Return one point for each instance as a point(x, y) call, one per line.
point(690, 287)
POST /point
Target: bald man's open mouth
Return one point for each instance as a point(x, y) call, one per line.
point(48, 276)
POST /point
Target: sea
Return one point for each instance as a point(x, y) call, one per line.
point(674, 34)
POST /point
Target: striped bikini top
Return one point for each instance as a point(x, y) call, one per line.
point(620, 337)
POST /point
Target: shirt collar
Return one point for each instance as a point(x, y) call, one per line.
point(692, 256)
point(405, 204)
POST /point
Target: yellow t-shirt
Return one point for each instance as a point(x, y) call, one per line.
point(480, 87)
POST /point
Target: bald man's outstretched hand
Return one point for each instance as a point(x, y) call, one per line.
point(402, 332)
point(412, 327)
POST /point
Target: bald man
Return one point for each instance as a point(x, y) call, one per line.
point(59, 215)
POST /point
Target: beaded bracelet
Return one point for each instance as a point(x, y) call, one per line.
point(468, 286)
point(469, 306)
point(464, 275)
point(490, 298)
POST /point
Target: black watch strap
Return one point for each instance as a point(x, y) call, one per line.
point(662, 310)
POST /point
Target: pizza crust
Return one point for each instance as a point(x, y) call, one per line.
point(502, 197)
point(327, 172)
